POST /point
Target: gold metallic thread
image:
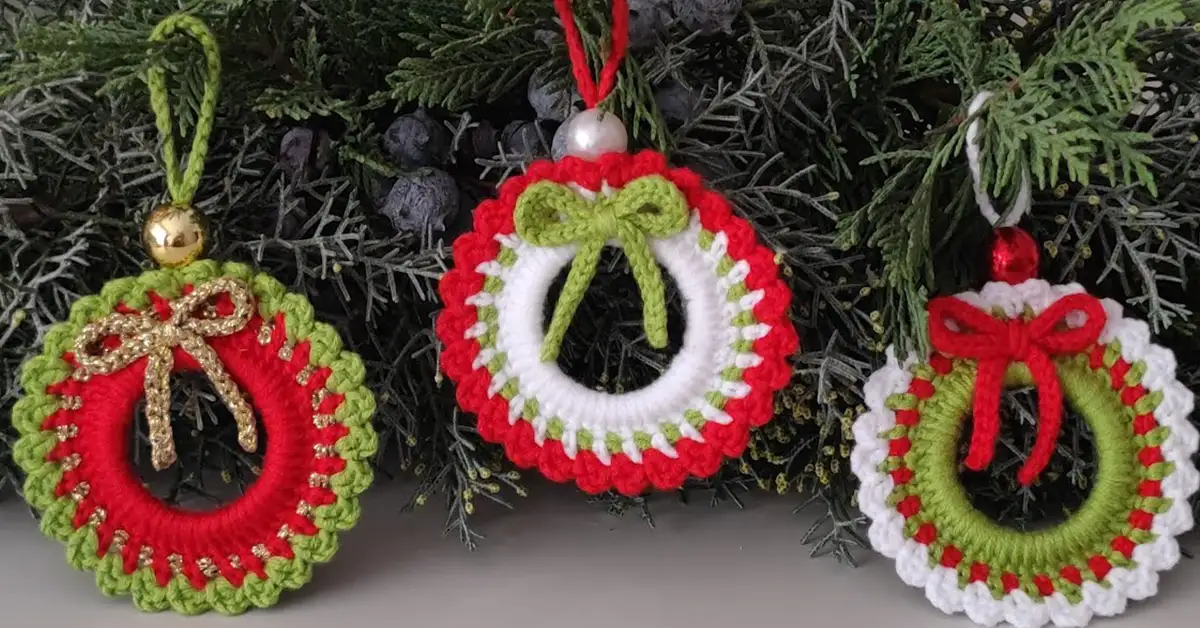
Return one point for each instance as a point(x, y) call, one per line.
point(146, 336)
point(319, 397)
point(264, 334)
point(305, 373)
point(207, 567)
point(80, 492)
point(66, 432)
point(120, 538)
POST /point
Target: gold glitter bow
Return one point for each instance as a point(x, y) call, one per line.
point(192, 319)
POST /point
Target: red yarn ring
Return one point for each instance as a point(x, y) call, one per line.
point(103, 420)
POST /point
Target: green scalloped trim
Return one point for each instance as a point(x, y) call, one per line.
point(1076, 370)
point(584, 437)
point(356, 447)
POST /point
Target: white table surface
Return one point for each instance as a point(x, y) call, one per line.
point(553, 561)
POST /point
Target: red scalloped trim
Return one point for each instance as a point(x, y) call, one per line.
point(287, 411)
point(701, 459)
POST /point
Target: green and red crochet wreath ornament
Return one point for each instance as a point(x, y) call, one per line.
point(561, 214)
point(1022, 331)
point(308, 392)
point(270, 363)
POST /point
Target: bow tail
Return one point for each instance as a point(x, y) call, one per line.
point(1049, 421)
point(159, 364)
point(985, 430)
point(649, 280)
point(583, 268)
point(243, 414)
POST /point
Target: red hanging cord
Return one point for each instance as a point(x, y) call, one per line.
point(592, 92)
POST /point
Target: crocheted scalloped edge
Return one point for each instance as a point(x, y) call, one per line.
point(1016, 607)
point(700, 458)
point(355, 447)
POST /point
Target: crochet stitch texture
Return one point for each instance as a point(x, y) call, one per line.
point(310, 396)
point(1106, 553)
point(721, 384)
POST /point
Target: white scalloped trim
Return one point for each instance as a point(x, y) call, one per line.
point(693, 373)
point(941, 583)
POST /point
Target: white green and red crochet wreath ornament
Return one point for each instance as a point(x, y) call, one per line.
point(1018, 331)
point(267, 359)
point(738, 335)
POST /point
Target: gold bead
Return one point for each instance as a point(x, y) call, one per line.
point(174, 236)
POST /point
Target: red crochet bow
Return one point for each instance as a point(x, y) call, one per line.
point(996, 343)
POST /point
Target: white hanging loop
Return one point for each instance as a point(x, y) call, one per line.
point(1021, 204)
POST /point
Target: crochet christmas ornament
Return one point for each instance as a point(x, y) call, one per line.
point(1020, 332)
point(561, 214)
point(266, 358)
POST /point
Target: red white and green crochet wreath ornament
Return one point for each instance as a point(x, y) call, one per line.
point(738, 333)
point(264, 354)
point(1020, 331)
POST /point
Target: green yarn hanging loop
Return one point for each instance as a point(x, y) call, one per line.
point(182, 185)
point(550, 214)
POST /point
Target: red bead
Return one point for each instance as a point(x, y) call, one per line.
point(1014, 256)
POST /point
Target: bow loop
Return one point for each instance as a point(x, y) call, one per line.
point(549, 214)
point(192, 318)
point(1057, 336)
point(970, 331)
point(654, 205)
point(959, 329)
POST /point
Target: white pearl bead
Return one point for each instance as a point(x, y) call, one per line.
point(593, 133)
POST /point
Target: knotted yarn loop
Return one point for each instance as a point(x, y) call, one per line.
point(550, 214)
point(959, 329)
point(591, 90)
point(192, 318)
point(182, 185)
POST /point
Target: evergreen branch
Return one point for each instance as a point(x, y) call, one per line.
point(476, 66)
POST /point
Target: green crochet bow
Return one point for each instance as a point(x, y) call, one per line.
point(551, 214)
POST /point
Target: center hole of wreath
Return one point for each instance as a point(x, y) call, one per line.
point(212, 468)
point(1061, 488)
point(605, 347)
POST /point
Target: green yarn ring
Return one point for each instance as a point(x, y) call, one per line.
point(356, 447)
point(945, 502)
